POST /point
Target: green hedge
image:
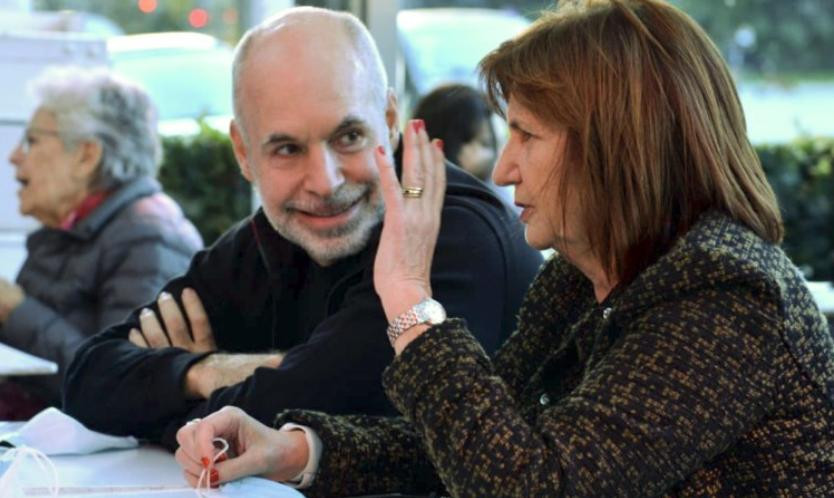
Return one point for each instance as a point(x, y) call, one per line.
point(801, 175)
point(202, 174)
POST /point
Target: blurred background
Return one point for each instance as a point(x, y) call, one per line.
point(180, 50)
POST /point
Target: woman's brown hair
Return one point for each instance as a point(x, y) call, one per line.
point(656, 133)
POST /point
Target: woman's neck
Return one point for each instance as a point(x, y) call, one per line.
point(587, 263)
point(64, 208)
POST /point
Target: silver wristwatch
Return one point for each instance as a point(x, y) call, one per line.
point(426, 311)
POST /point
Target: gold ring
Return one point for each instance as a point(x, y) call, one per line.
point(412, 192)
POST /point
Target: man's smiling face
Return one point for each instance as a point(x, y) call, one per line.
point(309, 128)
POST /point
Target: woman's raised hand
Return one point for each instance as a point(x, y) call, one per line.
point(254, 449)
point(412, 221)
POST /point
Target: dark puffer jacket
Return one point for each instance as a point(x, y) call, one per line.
point(79, 281)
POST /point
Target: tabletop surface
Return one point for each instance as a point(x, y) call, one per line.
point(16, 362)
point(144, 472)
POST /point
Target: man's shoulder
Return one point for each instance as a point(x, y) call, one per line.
point(472, 206)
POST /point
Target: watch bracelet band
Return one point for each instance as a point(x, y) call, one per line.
point(402, 323)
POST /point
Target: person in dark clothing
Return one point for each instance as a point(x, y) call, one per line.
point(110, 238)
point(281, 311)
point(460, 116)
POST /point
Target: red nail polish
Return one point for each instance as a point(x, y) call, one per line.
point(418, 125)
point(380, 149)
point(205, 461)
point(439, 144)
point(222, 458)
point(214, 476)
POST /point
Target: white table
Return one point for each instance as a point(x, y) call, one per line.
point(16, 362)
point(144, 472)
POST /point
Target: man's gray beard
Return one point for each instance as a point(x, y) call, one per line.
point(327, 246)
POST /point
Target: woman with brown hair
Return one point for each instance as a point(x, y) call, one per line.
point(669, 348)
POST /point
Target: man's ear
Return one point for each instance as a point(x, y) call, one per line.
point(88, 153)
point(392, 119)
point(239, 147)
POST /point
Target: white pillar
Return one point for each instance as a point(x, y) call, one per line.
point(381, 20)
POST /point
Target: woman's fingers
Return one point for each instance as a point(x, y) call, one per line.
point(438, 174)
point(187, 463)
point(412, 174)
point(390, 186)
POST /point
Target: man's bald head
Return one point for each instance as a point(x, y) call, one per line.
point(312, 36)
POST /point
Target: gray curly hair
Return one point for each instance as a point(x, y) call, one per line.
point(95, 104)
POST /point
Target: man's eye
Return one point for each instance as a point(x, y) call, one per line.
point(352, 139)
point(286, 150)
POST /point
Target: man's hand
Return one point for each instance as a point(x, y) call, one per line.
point(200, 338)
point(222, 370)
point(11, 295)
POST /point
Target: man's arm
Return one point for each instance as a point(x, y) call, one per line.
point(114, 386)
point(189, 328)
point(338, 370)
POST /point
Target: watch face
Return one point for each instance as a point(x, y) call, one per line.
point(432, 312)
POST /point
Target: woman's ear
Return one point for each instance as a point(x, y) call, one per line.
point(89, 157)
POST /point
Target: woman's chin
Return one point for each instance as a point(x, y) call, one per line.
point(535, 243)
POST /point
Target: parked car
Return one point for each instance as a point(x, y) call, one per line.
point(188, 75)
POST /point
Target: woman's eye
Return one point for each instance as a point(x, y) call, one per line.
point(524, 136)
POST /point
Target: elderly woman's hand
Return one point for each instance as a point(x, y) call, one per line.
point(11, 295)
point(412, 221)
point(254, 449)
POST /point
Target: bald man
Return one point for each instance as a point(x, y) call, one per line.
point(281, 311)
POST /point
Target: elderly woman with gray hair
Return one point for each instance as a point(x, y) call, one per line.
point(110, 238)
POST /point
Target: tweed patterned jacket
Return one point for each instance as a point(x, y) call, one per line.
point(711, 374)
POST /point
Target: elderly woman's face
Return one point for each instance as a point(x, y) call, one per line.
point(52, 183)
point(532, 161)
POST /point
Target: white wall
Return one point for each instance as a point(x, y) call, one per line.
point(22, 57)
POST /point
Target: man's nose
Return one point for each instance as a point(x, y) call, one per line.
point(325, 173)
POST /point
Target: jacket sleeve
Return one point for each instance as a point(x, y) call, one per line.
point(364, 455)
point(640, 421)
point(337, 370)
point(133, 264)
point(115, 387)
point(136, 269)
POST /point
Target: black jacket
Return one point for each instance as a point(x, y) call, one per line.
point(263, 293)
